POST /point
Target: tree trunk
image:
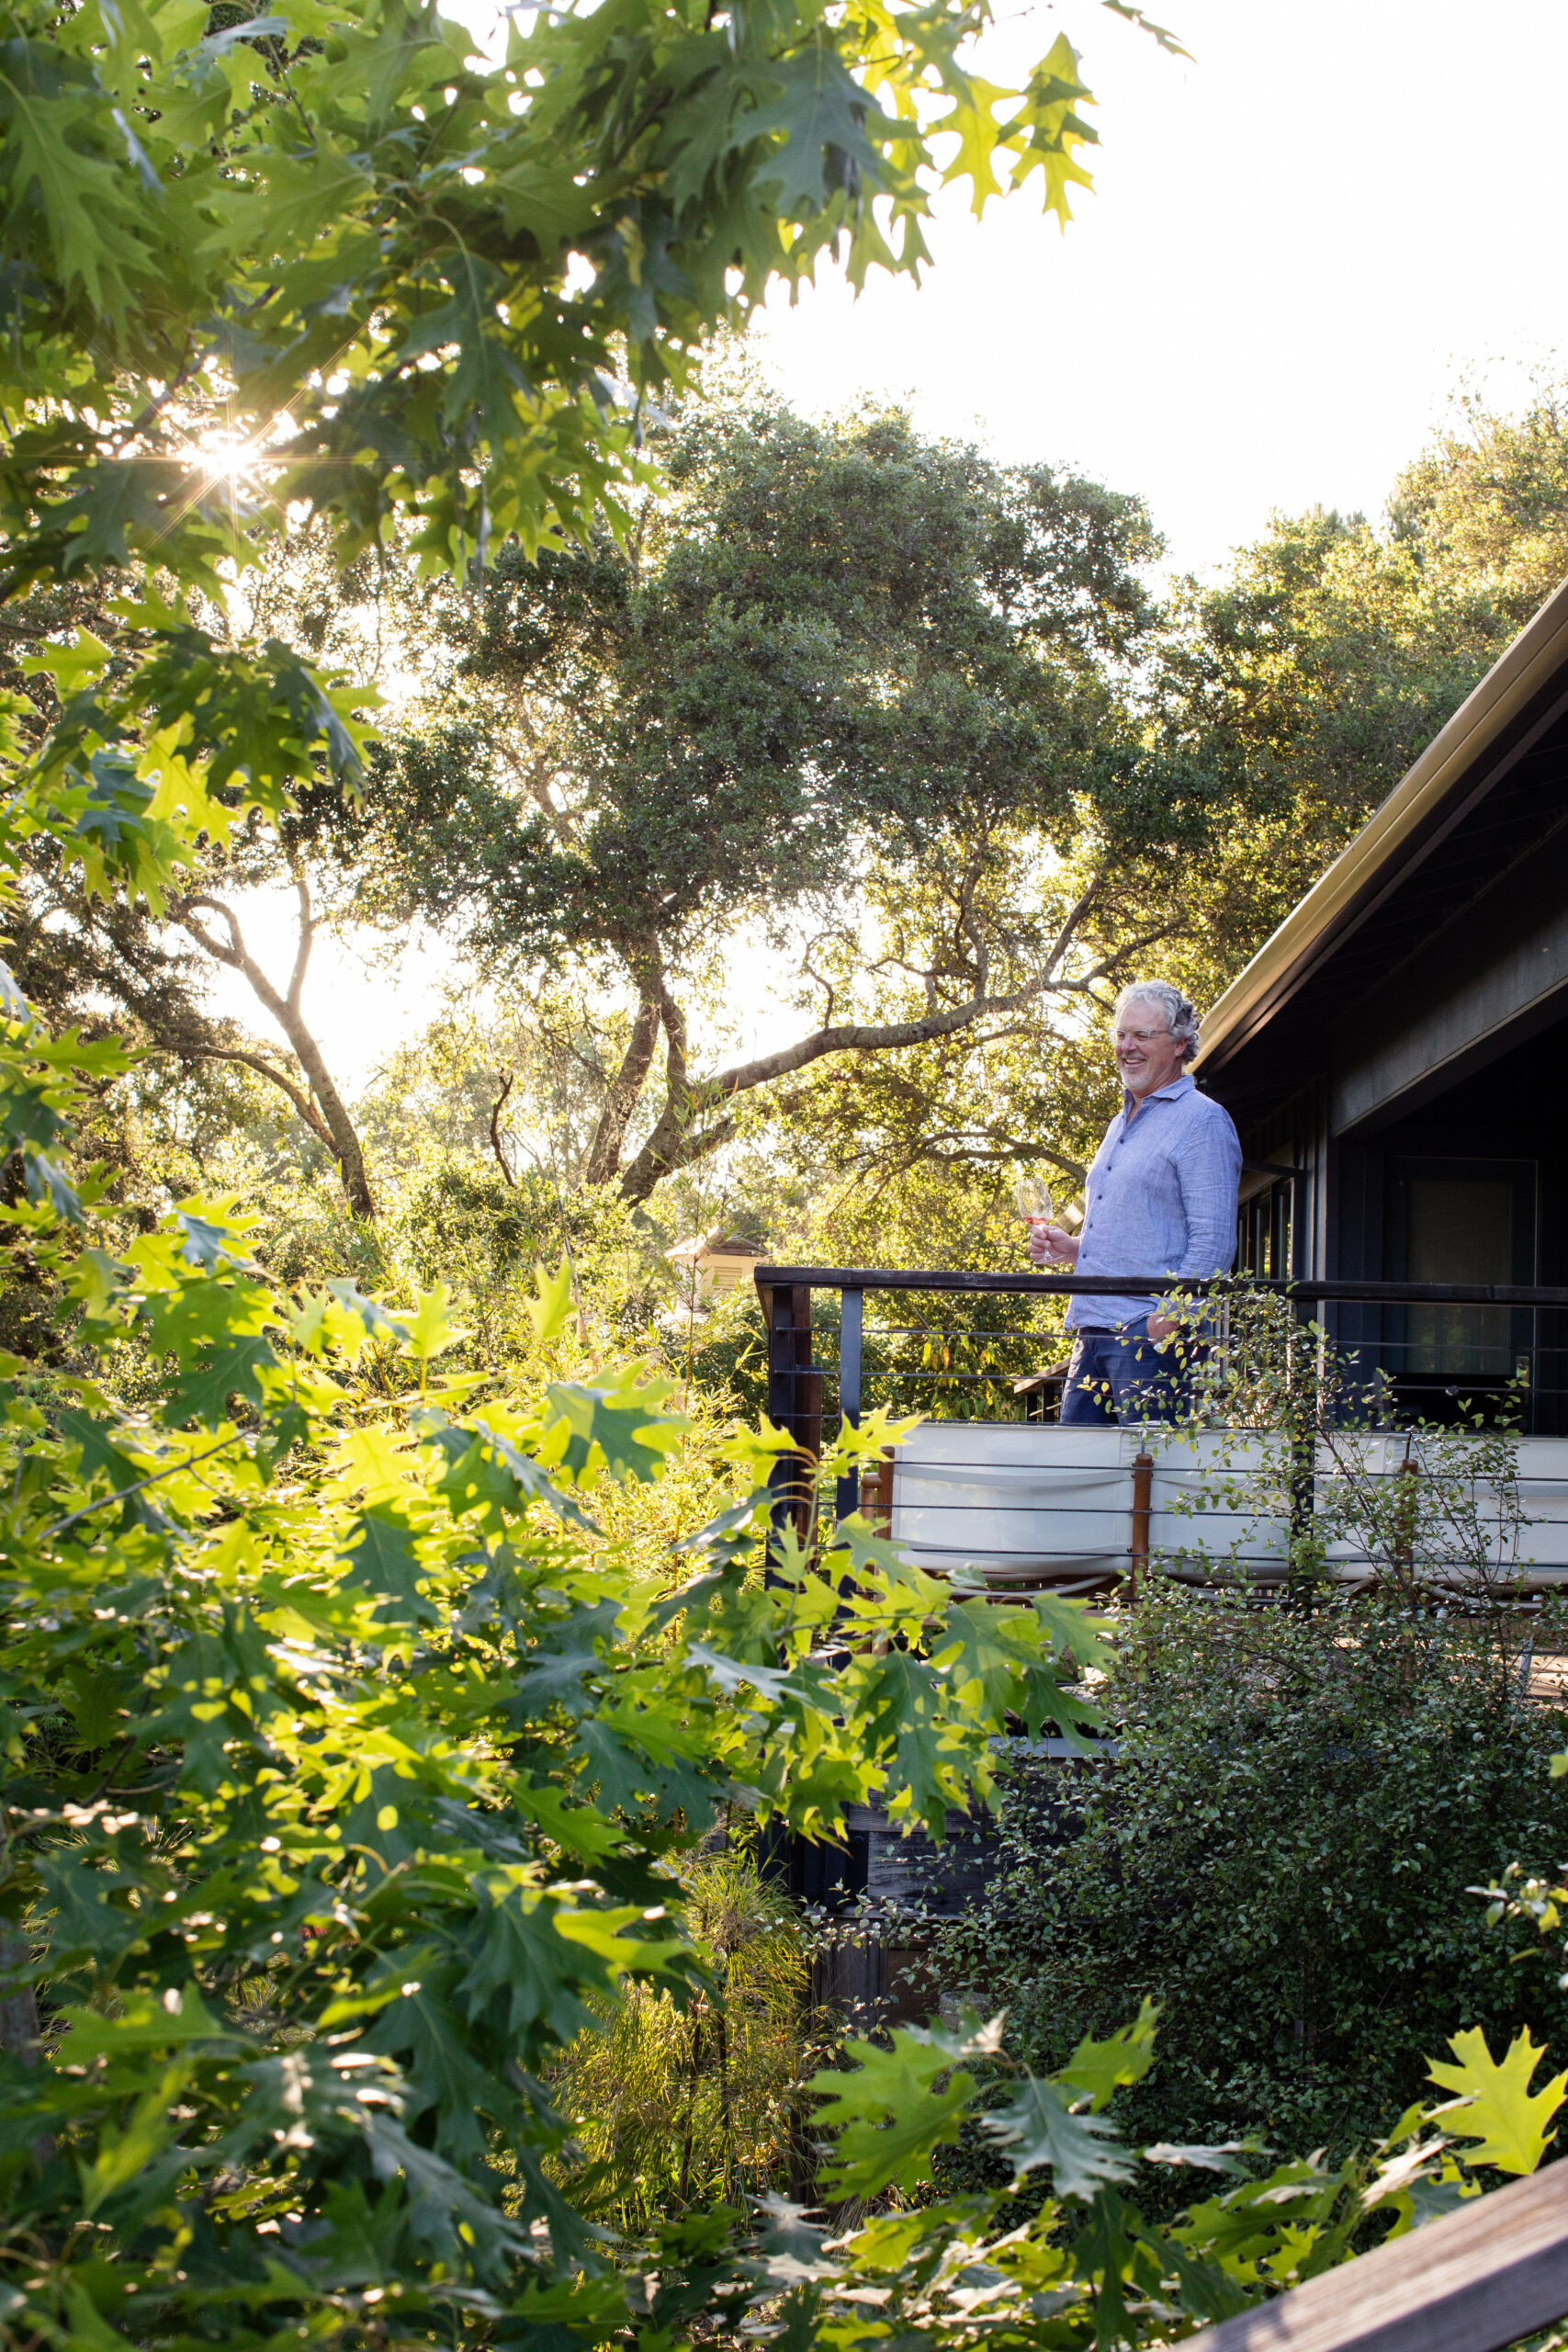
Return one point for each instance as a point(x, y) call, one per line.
point(671, 1145)
point(626, 1088)
point(285, 1011)
point(672, 1142)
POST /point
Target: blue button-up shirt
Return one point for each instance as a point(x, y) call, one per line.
point(1161, 1198)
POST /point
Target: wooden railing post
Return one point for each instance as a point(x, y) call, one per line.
point(794, 1398)
point(876, 1494)
point(1143, 1494)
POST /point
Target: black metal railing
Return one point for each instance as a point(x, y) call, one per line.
point(824, 1368)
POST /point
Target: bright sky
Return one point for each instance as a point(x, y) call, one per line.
point(1298, 244)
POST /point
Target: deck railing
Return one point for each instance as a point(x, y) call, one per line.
point(827, 1361)
point(1477, 2279)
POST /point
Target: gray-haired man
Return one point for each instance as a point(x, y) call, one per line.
point(1161, 1199)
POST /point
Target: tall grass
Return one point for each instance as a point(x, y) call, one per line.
point(674, 2108)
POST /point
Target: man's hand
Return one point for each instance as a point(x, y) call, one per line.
point(1052, 1245)
point(1162, 1326)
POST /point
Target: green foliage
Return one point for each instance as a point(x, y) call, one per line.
point(349, 1755)
point(1268, 715)
point(837, 673)
point(1505, 2120)
point(326, 262)
point(361, 1707)
point(486, 1236)
point(1305, 683)
point(929, 1352)
point(899, 2105)
point(1278, 1407)
point(1280, 1857)
point(349, 216)
point(1088, 2267)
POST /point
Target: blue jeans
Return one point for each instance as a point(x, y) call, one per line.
point(1121, 1377)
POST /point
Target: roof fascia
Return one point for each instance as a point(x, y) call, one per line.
point(1393, 840)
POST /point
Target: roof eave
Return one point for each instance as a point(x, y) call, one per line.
point(1337, 900)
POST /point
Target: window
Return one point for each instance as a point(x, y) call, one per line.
point(1460, 1221)
point(1264, 1234)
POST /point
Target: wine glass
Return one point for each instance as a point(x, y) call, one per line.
point(1031, 1197)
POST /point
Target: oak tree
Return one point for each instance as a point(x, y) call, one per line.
point(844, 689)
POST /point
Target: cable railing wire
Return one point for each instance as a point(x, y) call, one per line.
point(1418, 1374)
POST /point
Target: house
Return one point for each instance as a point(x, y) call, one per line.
point(1398, 1052)
point(1396, 1060)
point(714, 1262)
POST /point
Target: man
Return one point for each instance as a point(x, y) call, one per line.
point(1161, 1198)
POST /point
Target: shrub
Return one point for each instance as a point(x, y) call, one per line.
point(1280, 1858)
point(351, 1736)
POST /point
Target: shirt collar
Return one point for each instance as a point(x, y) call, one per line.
point(1185, 1084)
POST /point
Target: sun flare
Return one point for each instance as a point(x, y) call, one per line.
point(234, 458)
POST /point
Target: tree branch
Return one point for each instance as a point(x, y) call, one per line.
point(533, 776)
point(507, 1083)
point(870, 1037)
point(235, 954)
point(307, 941)
point(676, 1044)
point(672, 1144)
point(192, 1049)
point(1003, 1150)
point(341, 1137)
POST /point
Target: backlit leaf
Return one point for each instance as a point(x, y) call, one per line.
point(1098, 2068)
point(551, 1310)
point(1506, 2121)
point(620, 1429)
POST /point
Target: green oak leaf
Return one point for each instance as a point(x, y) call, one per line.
point(620, 1428)
point(1037, 2127)
point(563, 1658)
point(518, 1956)
point(1098, 2068)
point(820, 111)
point(384, 1564)
point(419, 2029)
point(48, 1183)
point(145, 2022)
point(31, 1111)
point(55, 117)
point(888, 2110)
point(1495, 2106)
